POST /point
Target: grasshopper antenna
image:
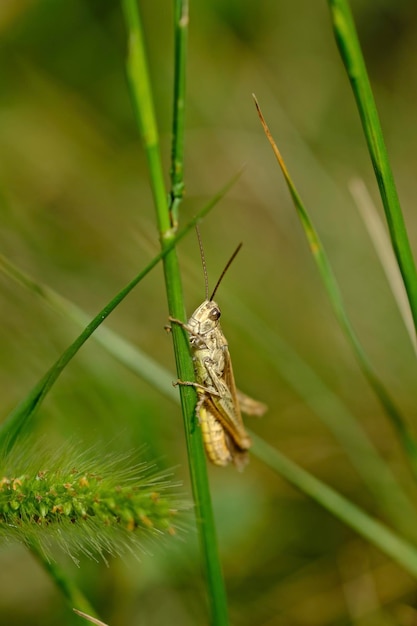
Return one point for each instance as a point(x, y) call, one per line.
point(203, 259)
point(228, 264)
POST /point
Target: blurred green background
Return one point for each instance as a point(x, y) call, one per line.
point(77, 214)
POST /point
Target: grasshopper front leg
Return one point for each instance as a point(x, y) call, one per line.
point(183, 325)
point(191, 383)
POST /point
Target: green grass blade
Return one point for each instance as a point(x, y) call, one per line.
point(178, 119)
point(70, 590)
point(405, 437)
point(380, 240)
point(392, 500)
point(350, 51)
point(16, 421)
point(143, 108)
point(374, 531)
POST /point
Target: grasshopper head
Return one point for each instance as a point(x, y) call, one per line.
point(205, 318)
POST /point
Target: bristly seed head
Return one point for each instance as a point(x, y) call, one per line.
point(85, 508)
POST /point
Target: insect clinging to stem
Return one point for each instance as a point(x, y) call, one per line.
point(219, 402)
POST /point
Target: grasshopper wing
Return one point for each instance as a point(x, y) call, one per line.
point(249, 406)
point(225, 406)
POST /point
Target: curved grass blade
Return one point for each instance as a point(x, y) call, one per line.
point(126, 353)
point(393, 502)
point(68, 588)
point(17, 419)
point(350, 51)
point(371, 529)
point(405, 437)
point(380, 240)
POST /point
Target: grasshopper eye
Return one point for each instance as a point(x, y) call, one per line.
point(214, 314)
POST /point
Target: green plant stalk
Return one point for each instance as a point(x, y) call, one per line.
point(374, 531)
point(181, 19)
point(196, 455)
point(350, 51)
point(144, 109)
point(404, 435)
point(167, 224)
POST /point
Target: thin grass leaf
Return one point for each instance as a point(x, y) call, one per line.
point(393, 502)
point(181, 19)
point(17, 420)
point(374, 531)
point(89, 618)
point(384, 251)
point(405, 437)
point(126, 353)
point(143, 108)
point(68, 588)
point(350, 51)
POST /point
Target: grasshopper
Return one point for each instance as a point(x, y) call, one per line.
point(219, 403)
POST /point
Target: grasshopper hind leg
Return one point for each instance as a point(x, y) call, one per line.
point(220, 448)
point(214, 437)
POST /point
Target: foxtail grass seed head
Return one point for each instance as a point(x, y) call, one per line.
point(91, 503)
